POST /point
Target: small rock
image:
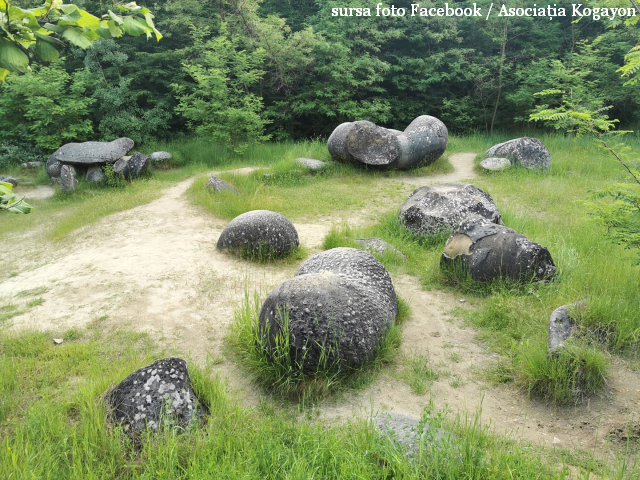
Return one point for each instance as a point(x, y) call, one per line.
point(495, 164)
point(218, 185)
point(556, 440)
point(407, 432)
point(311, 163)
point(462, 300)
point(32, 164)
point(7, 179)
point(377, 245)
point(160, 156)
point(526, 151)
point(68, 178)
point(58, 341)
point(560, 327)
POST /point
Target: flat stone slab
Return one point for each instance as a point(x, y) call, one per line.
point(92, 152)
point(495, 164)
point(311, 163)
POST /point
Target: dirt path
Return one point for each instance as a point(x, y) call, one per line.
point(155, 268)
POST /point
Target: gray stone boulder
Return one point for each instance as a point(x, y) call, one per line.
point(495, 164)
point(95, 174)
point(7, 179)
point(377, 245)
point(408, 432)
point(31, 165)
point(487, 251)
point(561, 326)
point(156, 396)
point(421, 143)
point(259, 233)
point(311, 163)
point(526, 151)
point(53, 167)
point(336, 311)
point(218, 185)
point(68, 178)
point(92, 152)
point(159, 157)
point(440, 208)
point(133, 167)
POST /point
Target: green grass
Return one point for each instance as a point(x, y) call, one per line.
point(418, 373)
point(53, 424)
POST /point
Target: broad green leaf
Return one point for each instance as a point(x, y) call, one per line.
point(49, 39)
point(54, 28)
point(6, 188)
point(70, 19)
point(134, 27)
point(3, 74)
point(12, 58)
point(114, 29)
point(46, 51)
point(116, 18)
point(88, 21)
point(75, 36)
point(68, 9)
point(104, 32)
point(149, 18)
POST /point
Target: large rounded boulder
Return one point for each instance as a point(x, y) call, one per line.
point(421, 143)
point(440, 208)
point(525, 151)
point(336, 310)
point(487, 251)
point(260, 233)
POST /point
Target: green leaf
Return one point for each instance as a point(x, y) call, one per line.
point(12, 58)
point(49, 39)
point(3, 74)
point(46, 51)
point(114, 29)
point(75, 36)
point(54, 28)
point(104, 32)
point(116, 18)
point(134, 27)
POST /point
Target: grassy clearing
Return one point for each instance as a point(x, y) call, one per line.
point(418, 373)
point(53, 424)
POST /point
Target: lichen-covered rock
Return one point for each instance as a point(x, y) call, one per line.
point(68, 178)
point(53, 167)
point(259, 233)
point(488, 251)
point(7, 179)
point(336, 310)
point(560, 327)
point(159, 157)
point(495, 164)
point(526, 151)
point(95, 174)
point(311, 163)
point(376, 245)
point(155, 396)
point(440, 208)
point(218, 185)
point(421, 143)
point(93, 152)
point(133, 167)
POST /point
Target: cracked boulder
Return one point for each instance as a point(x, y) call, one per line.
point(259, 233)
point(336, 311)
point(487, 251)
point(440, 208)
point(155, 396)
point(526, 151)
point(92, 152)
point(132, 167)
point(421, 143)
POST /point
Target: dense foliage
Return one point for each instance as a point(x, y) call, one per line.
point(242, 70)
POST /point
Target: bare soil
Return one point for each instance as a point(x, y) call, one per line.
point(155, 268)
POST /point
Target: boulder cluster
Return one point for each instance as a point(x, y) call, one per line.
point(74, 160)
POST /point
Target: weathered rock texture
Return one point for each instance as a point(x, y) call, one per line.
point(526, 151)
point(440, 208)
point(495, 164)
point(259, 232)
point(133, 167)
point(95, 174)
point(53, 167)
point(160, 156)
point(561, 327)
point(218, 185)
point(336, 310)
point(7, 179)
point(488, 251)
point(311, 163)
point(68, 178)
point(421, 143)
point(155, 396)
point(93, 152)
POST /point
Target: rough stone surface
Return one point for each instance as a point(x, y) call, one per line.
point(440, 208)
point(32, 164)
point(340, 305)
point(495, 164)
point(160, 156)
point(7, 179)
point(93, 152)
point(259, 232)
point(407, 431)
point(133, 167)
point(311, 163)
point(526, 151)
point(154, 396)
point(218, 185)
point(376, 245)
point(95, 174)
point(421, 143)
point(560, 327)
point(68, 178)
point(488, 251)
point(53, 167)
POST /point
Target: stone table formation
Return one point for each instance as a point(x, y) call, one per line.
point(421, 143)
